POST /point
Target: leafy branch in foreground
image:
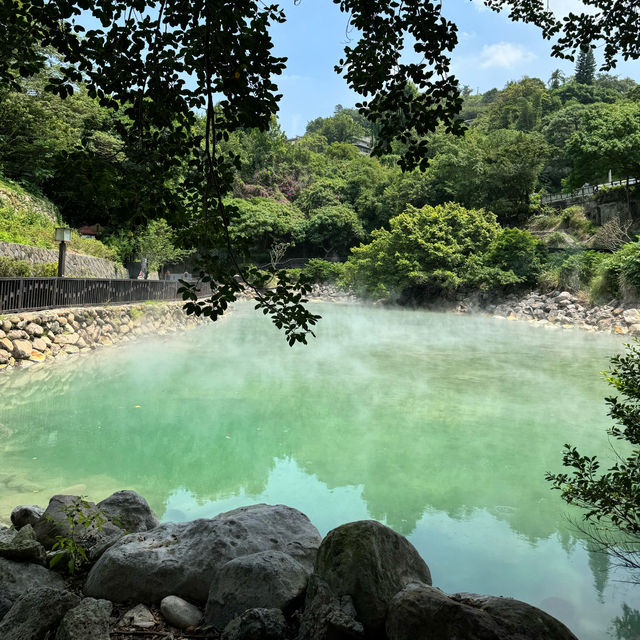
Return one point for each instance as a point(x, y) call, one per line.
point(611, 498)
point(159, 63)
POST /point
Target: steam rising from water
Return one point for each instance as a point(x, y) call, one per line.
point(441, 426)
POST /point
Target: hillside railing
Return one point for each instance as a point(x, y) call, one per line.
point(34, 294)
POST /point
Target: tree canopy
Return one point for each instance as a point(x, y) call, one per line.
point(159, 62)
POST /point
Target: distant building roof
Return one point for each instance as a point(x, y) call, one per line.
point(90, 230)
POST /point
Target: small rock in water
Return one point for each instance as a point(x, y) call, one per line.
point(180, 613)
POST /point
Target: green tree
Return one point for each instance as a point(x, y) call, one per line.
point(611, 498)
point(426, 252)
point(334, 229)
point(585, 66)
point(157, 244)
point(259, 223)
point(140, 65)
point(338, 128)
point(608, 138)
point(556, 79)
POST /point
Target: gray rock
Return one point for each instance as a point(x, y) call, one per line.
point(22, 349)
point(631, 316)
point(257, 624)
point(264, 580)
point(23, 547)
point(182, 558)
point(517, 620)
point(327, 616)
point(88, 621)
point(129, 511)
point(371, 563)
point(180, 613)
point(26, 514)
point(18, 577)
point(54, 522)
point(36, 613)
point(139, 617)
point(420, 612)
point(565, 295)
point(5, 605)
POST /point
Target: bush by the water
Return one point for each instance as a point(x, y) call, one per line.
point(318, 270)
point(437, 250)
point(10, 268)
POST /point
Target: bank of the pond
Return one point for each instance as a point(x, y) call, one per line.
point(564, 309)
point(28, 339)
point(259, 572)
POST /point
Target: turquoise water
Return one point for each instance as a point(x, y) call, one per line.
point(441, 426)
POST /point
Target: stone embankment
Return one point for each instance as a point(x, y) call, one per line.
point(35, 337)
point(563, 309)
point(77, 265)
point(331, 293)
point(256, 573)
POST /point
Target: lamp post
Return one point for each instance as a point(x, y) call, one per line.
point(63, 235)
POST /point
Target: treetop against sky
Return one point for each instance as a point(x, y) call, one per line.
point(492, 51)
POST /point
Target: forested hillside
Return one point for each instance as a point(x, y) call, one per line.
point(319, 196)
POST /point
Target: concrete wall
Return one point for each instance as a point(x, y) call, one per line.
point(77, 265)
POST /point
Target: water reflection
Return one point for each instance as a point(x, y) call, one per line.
point(441, 426)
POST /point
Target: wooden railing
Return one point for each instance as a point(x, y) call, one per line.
point(31, 294)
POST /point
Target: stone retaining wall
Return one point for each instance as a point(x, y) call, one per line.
point(35, 337)
point(76, 265)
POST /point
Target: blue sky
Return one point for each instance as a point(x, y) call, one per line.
point(492, 51)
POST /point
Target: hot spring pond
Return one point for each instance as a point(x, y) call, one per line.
point(441, 426)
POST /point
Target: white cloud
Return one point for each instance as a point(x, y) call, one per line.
point(505, 54)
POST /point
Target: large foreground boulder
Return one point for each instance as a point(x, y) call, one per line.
point(88, 621)
point(257, 624)
point(264, 580)
point(36, 613)
point(129, 510)
point(420, 612)
point(18, 577)
point(370, 563)
point(55, 522)
point(183, 558)
point(327, 616)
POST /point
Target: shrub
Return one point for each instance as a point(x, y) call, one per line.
point(10, 268)
point(517, 251)
point(318, 270)
point(44, 269)
point(619, 274)
point(572, 273)
point(428, 251)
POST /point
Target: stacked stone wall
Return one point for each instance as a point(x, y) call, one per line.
point(36, 337)
point(76, 264)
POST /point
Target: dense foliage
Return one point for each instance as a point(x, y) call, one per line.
point(437, 250)
point(156, 65)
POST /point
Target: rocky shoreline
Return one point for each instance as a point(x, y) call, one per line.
point(559, 309)
point(261, 572)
